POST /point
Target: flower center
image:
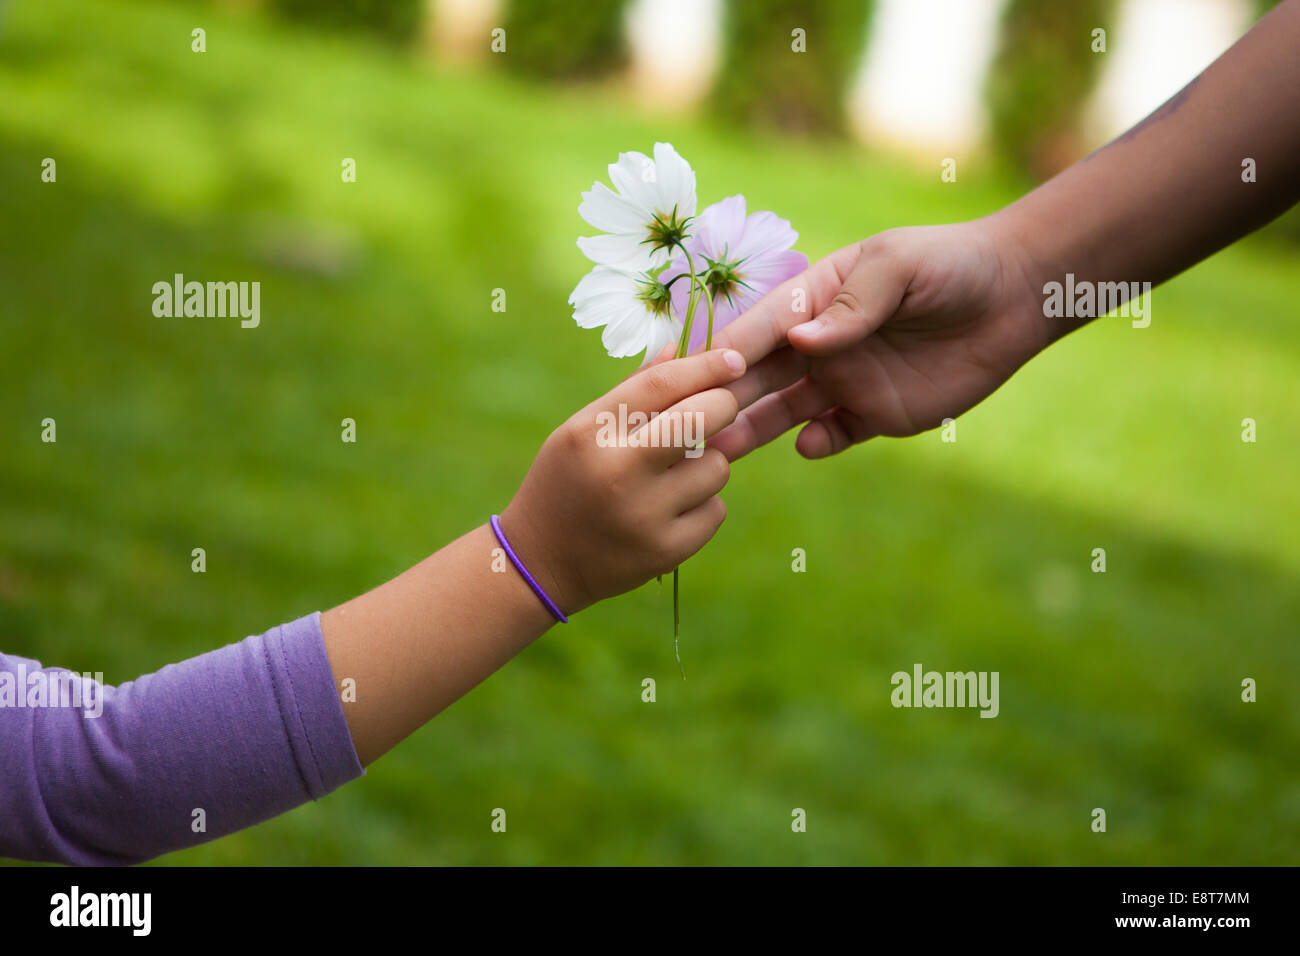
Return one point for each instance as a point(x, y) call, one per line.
point(657, 297)
point(722, 278)
point(667, 230)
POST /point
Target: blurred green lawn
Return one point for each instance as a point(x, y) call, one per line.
point(1118, 690)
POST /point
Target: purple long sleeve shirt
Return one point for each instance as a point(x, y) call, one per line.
point(242, 733)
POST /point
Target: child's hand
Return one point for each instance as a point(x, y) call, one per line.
point(591, 519)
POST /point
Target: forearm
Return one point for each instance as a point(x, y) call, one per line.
point(414, 645)
point(216, 743)
point(238, 735)
point(589, 521)
point(1170, 191)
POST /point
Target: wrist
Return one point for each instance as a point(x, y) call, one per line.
point(1026, 269)
point(543, 562)
point(509, 588)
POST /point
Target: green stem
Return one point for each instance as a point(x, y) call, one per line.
point(697, 286)
point(692, 301)
point(677, 649)
point(708, 337)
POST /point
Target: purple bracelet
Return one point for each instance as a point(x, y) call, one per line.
point(519, 565)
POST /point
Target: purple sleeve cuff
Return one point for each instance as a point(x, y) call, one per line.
point(310, 706)
point(197, 750)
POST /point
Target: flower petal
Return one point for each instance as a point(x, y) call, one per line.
point(607, 211)
point(634, 177)
point(663, 330)
point(722, 226)
point(615, 249)
point(765, 232)
point(675, 181)
point(628, 333)
point(766, 272)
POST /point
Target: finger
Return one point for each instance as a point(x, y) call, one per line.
point(693, 481)
point(830, 433)
point(869, 295)
point(665, 353)
point(660, 386)
point(771, 417)
point(779, 370)
point(686, 425)
point(763, 328)
point(692, 530)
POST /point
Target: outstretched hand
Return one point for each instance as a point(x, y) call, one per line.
point(897, 332)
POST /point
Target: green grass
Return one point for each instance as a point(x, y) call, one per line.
point(1118, 690)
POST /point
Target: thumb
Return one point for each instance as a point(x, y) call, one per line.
point(869, 295)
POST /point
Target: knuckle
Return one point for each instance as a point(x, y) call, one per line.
point(719, 406)
point(845, 301)
point(730, 405)
point(611, 489)
point(680, 546)
point(721, 468)
point(775, 328)
point(663, 554)
point(569, 436)
point(881, 244)
point(659, 382)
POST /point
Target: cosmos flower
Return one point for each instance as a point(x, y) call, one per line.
point(653, 252)
point(740, 259)
point(634, 307)
point(648, 211)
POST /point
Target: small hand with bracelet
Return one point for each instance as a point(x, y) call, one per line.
point(592, 519)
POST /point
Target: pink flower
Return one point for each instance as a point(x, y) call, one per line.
point(741, 258)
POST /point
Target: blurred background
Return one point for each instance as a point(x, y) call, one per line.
point(1118, 690)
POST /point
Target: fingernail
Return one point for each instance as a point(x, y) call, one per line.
point(812, 327)
point(735, 361)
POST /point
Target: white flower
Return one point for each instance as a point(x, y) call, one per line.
point(635, 309)
point(646, 216)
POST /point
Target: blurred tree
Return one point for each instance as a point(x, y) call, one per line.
point(788, 63)
point(1042, 74)
point(397, 21)
point(561, 39)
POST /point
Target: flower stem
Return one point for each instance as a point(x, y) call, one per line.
point(692, 301)
point(677, 649)
point(708, 335)
point(697, 286)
